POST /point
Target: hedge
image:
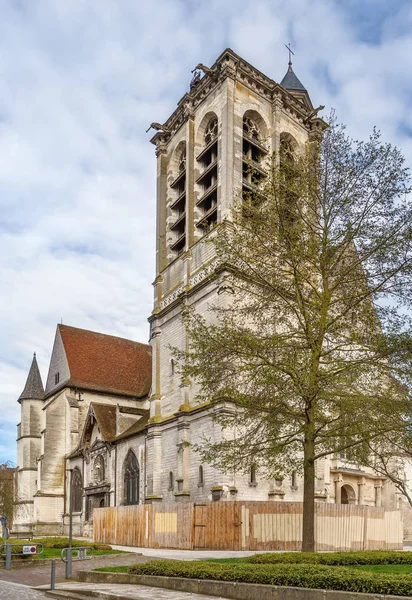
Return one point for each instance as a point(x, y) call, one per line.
point(334, 558)
point(59, 542)
point(297, 575)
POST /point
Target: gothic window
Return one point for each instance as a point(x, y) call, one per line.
point(201, 476)
point(211, 131)
point(207, 181)
point(253, 154)
point(131, 479)
point(178, 202)
point(77, 490)
point(98, 469)
point(293, 480)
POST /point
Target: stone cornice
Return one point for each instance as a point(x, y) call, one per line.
point(231, 65)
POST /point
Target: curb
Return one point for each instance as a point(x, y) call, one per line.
point(227, 589)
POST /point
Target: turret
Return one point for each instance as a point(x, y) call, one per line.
point(28, 448)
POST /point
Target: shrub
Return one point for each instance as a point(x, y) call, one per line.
point(297, 575)
point(368, 557)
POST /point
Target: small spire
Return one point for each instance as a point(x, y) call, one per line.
point(290, 81)
point(33, 390)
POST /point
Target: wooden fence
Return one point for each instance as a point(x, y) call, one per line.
point(247, 526)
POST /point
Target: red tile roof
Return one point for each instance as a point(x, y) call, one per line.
point(107, 363)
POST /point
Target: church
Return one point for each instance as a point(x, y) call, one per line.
point(114, 420)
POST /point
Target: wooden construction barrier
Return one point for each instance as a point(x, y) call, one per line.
point(247, 526)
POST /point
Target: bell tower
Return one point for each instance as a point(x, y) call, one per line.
point(232, 117)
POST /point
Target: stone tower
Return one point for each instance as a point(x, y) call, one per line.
point(28, 449)
point(232, 116)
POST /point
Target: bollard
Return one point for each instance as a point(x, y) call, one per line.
point(69, 563)
point(8, 556)
point(53, 574)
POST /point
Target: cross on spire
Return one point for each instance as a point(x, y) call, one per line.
point(290, 54)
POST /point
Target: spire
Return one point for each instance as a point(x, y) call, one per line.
point(33, 390)
point(290, 81)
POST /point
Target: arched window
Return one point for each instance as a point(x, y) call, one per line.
point(254, 153)
point(131, 479)
point(206, 182)
point(294, 480)
point(77, 490)
point(348, 495)
point(178, 199)
point(201, 476)
point(98, 469)
point(172, 366)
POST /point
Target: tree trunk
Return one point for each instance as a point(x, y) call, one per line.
point(308, 529)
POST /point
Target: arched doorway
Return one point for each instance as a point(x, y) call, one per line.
point(348, 495)
point(101, 503)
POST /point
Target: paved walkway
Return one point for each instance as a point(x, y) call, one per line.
point(189, 554)
point(15, 591)
point(133, 592)
point(40, 575)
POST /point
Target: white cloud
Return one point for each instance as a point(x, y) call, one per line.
point(79, 84)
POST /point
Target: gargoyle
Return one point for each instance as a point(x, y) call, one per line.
point(158, 127)
point(206, 70)
point(314, 113)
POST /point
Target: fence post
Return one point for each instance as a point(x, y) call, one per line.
point(8, 556)
point(53, 574)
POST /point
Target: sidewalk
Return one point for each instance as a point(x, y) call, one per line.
point(190, 554)
point(131, 592)
point(40, 575)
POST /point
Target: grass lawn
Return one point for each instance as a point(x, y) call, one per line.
point(52, 546)
point(402, 569)
point(113, 569)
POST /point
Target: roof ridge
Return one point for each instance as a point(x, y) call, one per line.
point(62, 326)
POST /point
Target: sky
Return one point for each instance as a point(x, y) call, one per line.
point(80, 82)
